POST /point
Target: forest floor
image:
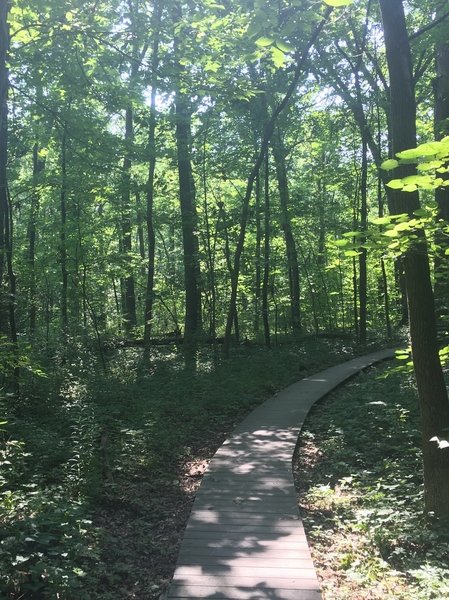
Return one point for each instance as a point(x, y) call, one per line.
point(359, 476)
point(99, 471)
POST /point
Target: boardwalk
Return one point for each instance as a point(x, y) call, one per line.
point(245, 539)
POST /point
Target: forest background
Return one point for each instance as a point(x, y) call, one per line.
point(183, 184)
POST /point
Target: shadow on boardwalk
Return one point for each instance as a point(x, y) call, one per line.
point(245, 539)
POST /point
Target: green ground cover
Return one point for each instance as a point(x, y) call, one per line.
point(98, 470)
point(361, 494)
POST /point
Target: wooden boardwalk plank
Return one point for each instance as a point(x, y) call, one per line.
point(245, 539)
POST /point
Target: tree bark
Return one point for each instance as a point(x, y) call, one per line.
point(129, 296)
point(258, 277)
point(266, 253)
point(187, 198)
point(4, 204)
point(38, 167)
point(363, 280)
point(151, 238)
point(432, 391)
point(63, 233)
point(290, 244)
point(441, 269)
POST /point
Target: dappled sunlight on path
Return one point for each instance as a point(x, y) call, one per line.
point(245, 539)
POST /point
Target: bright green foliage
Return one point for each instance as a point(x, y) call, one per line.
point(338, 3)
point(431, 156)
point(108, 417)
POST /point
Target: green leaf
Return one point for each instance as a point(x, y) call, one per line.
point(341, 242)
point(382, 220)
point(278, 57)
point(351, 253)
point(338, 3)
point(395, 184)
point(350, 234)
point(284, 46)
point(389, 164)
point(264, 41)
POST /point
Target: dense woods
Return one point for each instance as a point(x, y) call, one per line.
point(196, 178)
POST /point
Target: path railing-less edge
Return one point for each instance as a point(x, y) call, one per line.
point(245, 539)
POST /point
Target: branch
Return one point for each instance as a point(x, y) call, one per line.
point(429, 26)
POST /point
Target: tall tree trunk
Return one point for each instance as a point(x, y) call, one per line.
point(355, 104)
point(290, 244)
point(63, 233)
point(151, 238)
point(442, 193)
point(188, 218)
point(266, 253)
point(258, 277)
point(362, 251)
point(268, 132)
point(8, 287)
point(432, 391)
point(129, 296)
point(38, 167)
point(187, 197)
point(4, 204)
point(210, 251)
point(386, 296)
point(140, 232)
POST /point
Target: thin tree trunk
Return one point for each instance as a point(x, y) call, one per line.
point(140, 233)
point(432, 391)
point(4, 205)
point(129, 296)
point(386, 296)
point(151, 238)
point(362, 251)
point(210, 254)
point(269, 129)
point(258, 277)
point(266, 253)
point(311, 291)
point(355, 296)
point(38, 167)
point(12, 295)
point(63, 233)
point(341, 295)
point(290, 244)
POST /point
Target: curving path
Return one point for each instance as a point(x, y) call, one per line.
point(244, 539)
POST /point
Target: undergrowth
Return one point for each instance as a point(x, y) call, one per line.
point(98, 470)
point(361, 494)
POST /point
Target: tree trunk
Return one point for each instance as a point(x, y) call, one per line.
point(210, 251)
point(266, 253)
point(268, 132)
point(432, 391)
point(386, 296)
point(151, 238)
point(129, 296)
point(290, 245)
point(189, 219)
point(362, 251)
point(258, 277)
point(442, 193)
point(63, 233)
point(38, 167)
point(4, 204)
